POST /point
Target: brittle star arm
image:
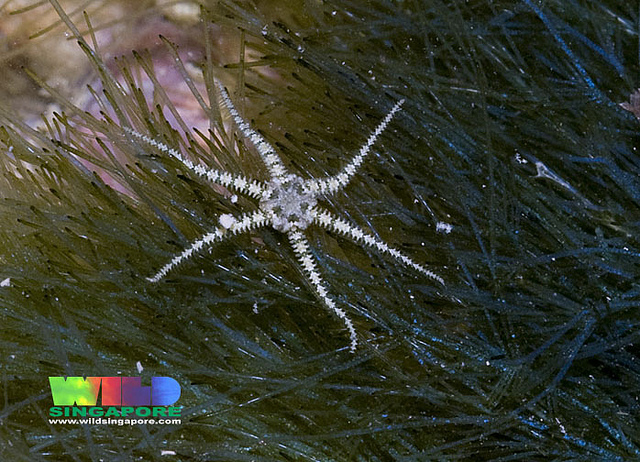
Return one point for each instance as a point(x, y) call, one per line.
point(240, 183)
point(301, 248)
point(329, 221)
point(335, 183)
point(269, 155)
point(233, 226)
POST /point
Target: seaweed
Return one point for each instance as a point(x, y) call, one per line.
point(512, 171)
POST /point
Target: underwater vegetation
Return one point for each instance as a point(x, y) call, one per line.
point(511, 171)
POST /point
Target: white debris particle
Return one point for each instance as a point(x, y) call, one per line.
point(5, 282)
point(520, 159)
point(443, 227)
point(164, 452)
point(227, 221)
point(544, 172)
point(139, 367)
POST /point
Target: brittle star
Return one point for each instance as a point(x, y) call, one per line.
point(289, 204)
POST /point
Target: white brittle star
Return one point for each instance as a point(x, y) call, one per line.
point(288, 203)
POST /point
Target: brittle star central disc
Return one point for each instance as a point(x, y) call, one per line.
point(289, 203)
